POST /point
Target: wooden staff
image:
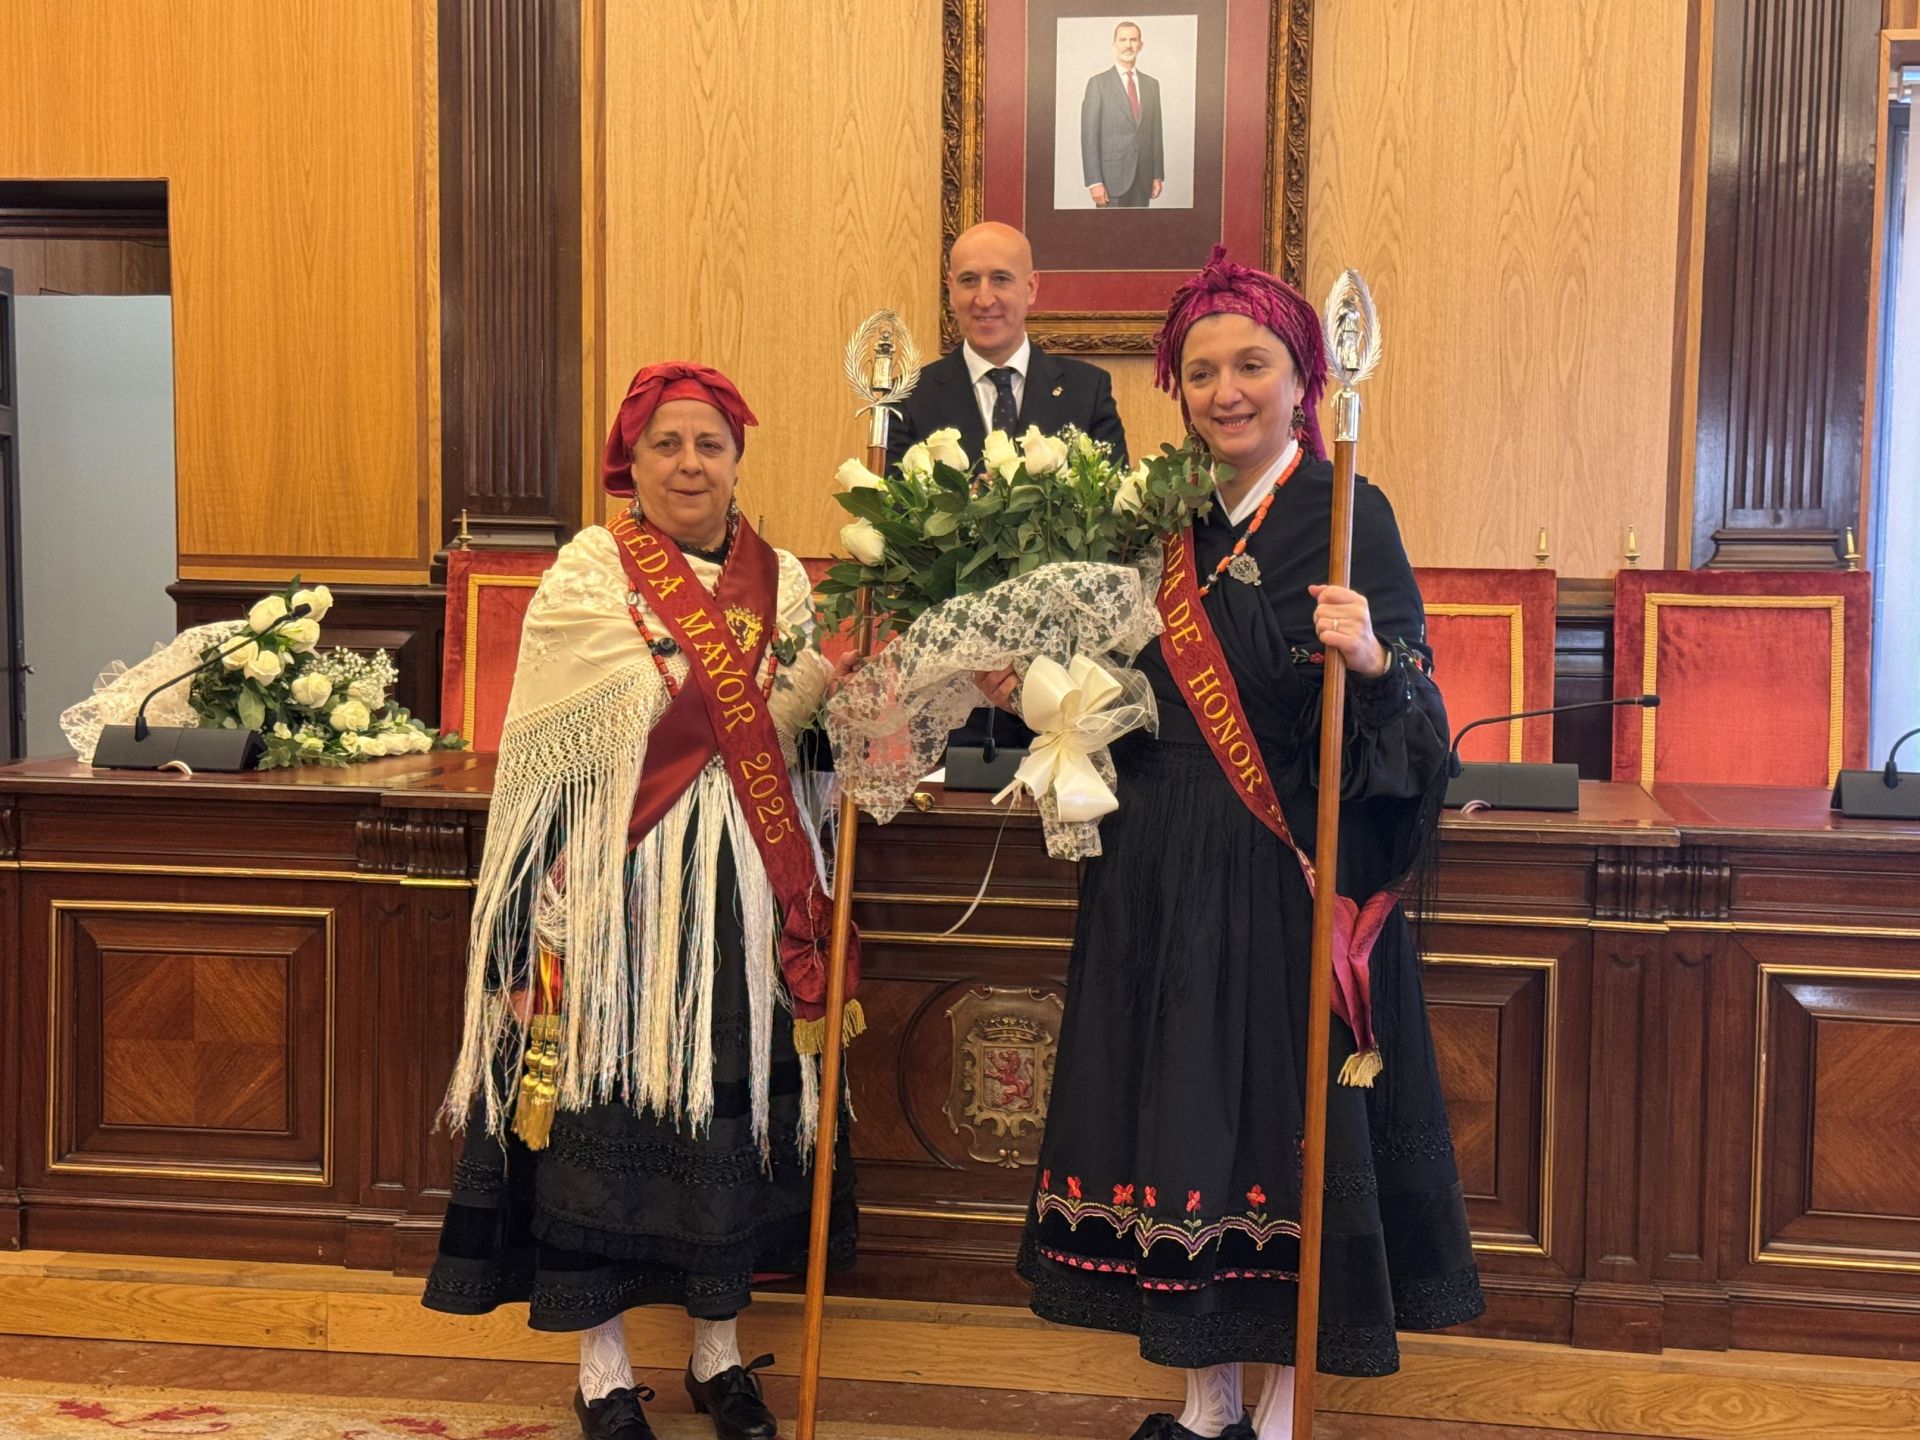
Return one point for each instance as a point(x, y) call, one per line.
point(1353, 345)
point(883, 366)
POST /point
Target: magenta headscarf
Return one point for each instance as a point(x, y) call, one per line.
point(1226, 288)
point(652, 388)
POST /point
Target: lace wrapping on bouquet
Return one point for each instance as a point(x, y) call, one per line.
point(120, 688)
point(889, 723)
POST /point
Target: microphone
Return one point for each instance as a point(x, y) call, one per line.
point(1510, 785)
point(1879, 794)
point(140, 727)
point(140, 747)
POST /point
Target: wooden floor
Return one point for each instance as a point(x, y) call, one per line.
point(251, 1327)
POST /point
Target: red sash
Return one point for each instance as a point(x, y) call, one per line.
point(723, 712)
point(1192, 652)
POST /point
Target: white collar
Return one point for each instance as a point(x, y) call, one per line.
point(1122, 70)
point(1262, 487)
point(978, 365)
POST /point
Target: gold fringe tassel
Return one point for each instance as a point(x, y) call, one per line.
point(540, 1080)
point(810, 1036)
point(1362, 1069)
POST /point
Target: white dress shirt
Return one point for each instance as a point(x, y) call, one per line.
point(1262, 487)
point(983, 392)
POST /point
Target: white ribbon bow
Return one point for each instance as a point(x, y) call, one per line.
point(1073, 714)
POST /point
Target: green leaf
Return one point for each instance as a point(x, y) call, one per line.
point(251, 708)
point(942, 522)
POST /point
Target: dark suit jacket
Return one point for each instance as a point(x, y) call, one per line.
point(1114, 150)
point(1059, 392)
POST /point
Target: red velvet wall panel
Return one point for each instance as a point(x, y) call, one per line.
point(1762, 675)
point(1492, 638)
point(488, 592)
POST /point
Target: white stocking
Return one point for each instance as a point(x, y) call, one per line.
point(1213, 1400)
point(604, 1367)
point(1274, 1419)
point(716, 1347)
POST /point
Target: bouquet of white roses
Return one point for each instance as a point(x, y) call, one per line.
point(1043, 559)
point(940, 526)
point(311, 708)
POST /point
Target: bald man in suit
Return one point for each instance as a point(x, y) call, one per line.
point(998, 379)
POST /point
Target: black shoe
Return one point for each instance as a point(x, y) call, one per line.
point(732, 1398)
point(1165, 1427)
point(616, 1416)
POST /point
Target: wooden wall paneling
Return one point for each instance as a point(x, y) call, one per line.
point(510, 268)
point(45, 266)
point(762, 197)
point(1617, 1306)
point(1523, 256)
point(296, 149)
point(1783, 344)
point(1902, 15)
point(408, 622)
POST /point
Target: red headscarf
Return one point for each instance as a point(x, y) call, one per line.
point(1230, 289)
point(652, 388)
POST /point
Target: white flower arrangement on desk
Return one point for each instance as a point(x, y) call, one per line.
point(311, 708)
point(1044, 558)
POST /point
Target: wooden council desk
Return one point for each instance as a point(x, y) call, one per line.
point(1679, 1032)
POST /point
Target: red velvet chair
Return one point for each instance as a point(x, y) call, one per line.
point(1762, 675)
point(1492, 638)
point(488, 592)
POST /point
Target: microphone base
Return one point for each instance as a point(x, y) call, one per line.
point(969, 769)
point(1512, 786)
point(1863, 794)
point(197, 749)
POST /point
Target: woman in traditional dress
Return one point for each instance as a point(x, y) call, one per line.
point(1168, 1198)
point(638, 1075)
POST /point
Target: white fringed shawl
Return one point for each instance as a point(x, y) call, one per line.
point(640, 949)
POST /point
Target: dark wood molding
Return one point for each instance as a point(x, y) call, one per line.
point(1783, 348)
point(510, 311)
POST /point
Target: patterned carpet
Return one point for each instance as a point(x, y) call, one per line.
point(65, 1412)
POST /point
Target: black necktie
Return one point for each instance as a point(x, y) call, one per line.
point(1005, 413)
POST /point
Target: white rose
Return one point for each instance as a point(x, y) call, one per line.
point(281, 732)
point(318, 601)
point(353, 744)
point(241, 658)
point(863, 542)
point(999, 455)
point(265, 612)
point(265, 666)
point(419, 742)
point(852, 475)
point(1083, 445)
point(312, 690)
point(1132, 493)
point(943, 448)
point(367, 692)
point(304, 634)
point(379, 745)
point(917, 461)
point(312, 743)
point(1043, 453)
point(349, 715)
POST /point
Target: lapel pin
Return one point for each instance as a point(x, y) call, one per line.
point(1056, 391)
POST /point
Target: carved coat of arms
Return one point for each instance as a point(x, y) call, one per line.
point(1004, 1043)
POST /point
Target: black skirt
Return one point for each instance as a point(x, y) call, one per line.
point(623, 1208)
point(1167, 1204)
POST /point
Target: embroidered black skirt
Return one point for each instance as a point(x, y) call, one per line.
point(623, 1208)
point(1167, 1204)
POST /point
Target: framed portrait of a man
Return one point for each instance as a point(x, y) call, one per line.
point(1127, 144)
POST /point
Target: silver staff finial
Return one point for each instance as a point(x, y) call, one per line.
point(1353, 347)
point(883, 363)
